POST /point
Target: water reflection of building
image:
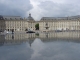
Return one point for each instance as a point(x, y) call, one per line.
point(2, 40)
point(45, 37)
point(60, 36)
point(30, 41)
point(14, 39)
point(19, 38)
point(60, 39)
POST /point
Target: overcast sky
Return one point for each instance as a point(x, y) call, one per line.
point(40, 8)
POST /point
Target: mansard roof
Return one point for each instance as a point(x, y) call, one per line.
point(10, 17)
point(61, 18)
point(52, 18)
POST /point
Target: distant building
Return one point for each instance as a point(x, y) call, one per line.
point(18, 24)
point(31, 23)
point(59, 23)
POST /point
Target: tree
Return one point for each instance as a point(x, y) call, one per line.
point(37, 26)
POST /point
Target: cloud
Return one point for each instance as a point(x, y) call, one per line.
point(54, 8)
point(40, 8)
point(37, 46)
point(56, 50)
point(15, 7)
point(16, 52)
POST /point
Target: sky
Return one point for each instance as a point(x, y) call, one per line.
point(40, 8)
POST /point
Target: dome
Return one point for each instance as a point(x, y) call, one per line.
point(30, 18)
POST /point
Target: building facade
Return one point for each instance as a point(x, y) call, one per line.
point(18, 24)
point(59, 23)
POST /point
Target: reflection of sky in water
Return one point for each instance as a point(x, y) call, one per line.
point(37, 49)
point(55, 50)
point(15, 52)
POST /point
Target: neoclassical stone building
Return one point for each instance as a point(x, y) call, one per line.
point(18, 24)
point(30, 23)
point(59, 23)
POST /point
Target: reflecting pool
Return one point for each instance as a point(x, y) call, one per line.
point(43, 46)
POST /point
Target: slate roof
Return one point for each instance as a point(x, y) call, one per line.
point(61, 18)
point(10, 17)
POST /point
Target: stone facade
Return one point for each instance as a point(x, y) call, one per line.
point(16, 23)
point(59, 23)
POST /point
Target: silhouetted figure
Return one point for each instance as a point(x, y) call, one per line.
point(12, 31)
point(12, 36)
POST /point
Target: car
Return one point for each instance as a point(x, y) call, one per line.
point(58, 31)
point(30, 32)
